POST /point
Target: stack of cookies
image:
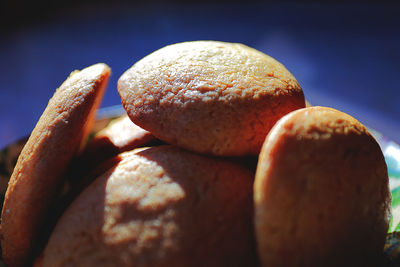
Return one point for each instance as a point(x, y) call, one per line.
point(218, 162)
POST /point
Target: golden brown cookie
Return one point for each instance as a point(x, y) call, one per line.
point(124, 135)
point(210, 97)
point(321, 192)
point(119, 136)
point(58, 135)
point(160, 206)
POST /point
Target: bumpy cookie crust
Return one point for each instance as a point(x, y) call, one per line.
point(210, 97)
point(37, 176)
point(160, 206)
point(321, 192)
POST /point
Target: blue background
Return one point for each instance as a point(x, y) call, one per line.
point(346, 56)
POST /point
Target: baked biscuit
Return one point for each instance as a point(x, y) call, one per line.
point(124, 135)
point(119, 136)
point(159, 206)
point(37, 176)
point(321, 192)
point(209, 97)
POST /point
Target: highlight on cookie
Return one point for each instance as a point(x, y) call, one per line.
point(210, 97)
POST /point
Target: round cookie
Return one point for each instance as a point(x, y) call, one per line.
point(38, 174)
point(209, 97)
point(159, 206)
point(321, 192)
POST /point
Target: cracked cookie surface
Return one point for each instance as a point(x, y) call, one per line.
point(210, 97)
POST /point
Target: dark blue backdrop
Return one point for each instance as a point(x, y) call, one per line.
point(344, 55)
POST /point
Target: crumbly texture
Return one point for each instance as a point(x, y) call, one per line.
point(160, 206)
point(321, 192)
point(37, 176)
point(210, 97)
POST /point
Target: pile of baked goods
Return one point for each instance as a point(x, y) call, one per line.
point(218, 162)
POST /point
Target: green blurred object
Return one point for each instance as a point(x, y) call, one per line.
point(392, 249)
point(391, 151)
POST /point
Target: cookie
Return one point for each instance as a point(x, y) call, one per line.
point(38, 174)
point(119, 136)
point(209, 97)
point(159, 206)
point(124, 135)
point(321, 192)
